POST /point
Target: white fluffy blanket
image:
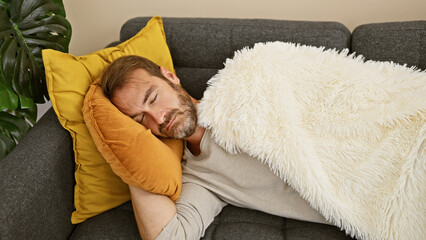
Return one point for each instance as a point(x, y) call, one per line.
point(348, 135)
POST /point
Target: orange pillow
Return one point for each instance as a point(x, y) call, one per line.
point(132, 151)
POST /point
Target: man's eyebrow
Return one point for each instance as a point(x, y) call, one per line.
point(148, 92)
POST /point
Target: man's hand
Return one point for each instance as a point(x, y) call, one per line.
point(152, 211)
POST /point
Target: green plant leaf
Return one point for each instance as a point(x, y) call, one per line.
point(5, 3)
point(26, 102)
point(30, 113)
point(26, 28)
point(8, 99)
point(6, 145)
point(61, 7)
point(14, 127)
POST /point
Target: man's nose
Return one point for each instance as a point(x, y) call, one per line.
point(159, 116)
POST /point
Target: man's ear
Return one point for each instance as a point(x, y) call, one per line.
point(169, 75)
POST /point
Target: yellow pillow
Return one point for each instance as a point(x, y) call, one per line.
point(132, 151)
point(68, 78)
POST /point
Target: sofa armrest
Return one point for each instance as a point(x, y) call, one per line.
point(37, 184)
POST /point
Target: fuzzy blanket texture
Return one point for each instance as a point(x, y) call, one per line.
point(347, 134)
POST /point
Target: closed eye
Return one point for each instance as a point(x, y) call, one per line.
point(139, 118)
point(155, 98)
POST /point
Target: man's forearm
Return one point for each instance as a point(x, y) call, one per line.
point(152, 211)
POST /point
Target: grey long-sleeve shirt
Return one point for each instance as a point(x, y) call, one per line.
point(216, 178)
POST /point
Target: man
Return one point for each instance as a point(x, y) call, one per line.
point(152, 96)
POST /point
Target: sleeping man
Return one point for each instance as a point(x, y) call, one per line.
point(212, 178)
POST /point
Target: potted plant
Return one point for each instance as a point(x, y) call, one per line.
point(26, 28)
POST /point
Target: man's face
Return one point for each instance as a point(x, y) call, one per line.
point(164, 108)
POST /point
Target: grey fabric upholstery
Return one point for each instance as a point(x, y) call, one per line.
point(37, 178)
point(400, 42)
point(37, 184)
point(239, 223)
point(118, 223)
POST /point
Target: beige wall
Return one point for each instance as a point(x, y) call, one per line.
point(96, 23)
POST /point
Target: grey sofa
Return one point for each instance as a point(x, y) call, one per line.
point(36, 178)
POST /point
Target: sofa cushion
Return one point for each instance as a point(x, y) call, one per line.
point(118, 223)
point(200, 46)
point(240, 223)
point(68, 78)
point(400, 42)
point(232, 223)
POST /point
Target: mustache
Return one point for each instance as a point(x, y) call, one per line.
point(169, 116)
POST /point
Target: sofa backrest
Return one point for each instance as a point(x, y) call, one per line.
point(400, 42)
point(200, 46)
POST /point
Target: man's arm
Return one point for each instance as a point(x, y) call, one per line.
point(157, 217)
point(152, 211)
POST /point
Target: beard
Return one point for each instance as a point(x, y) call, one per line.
point(184, 119)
